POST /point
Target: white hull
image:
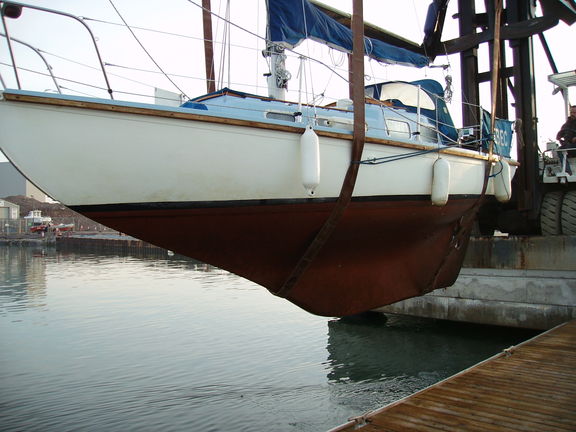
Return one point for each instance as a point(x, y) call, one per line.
point(86, 157)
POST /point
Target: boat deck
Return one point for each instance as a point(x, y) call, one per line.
point(529, 387)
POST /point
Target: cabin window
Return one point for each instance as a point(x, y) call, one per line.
point(397, 129)
point(407, 94)
point(428, 134)
point(337, 123)
point(369, 92)
point(281, 116)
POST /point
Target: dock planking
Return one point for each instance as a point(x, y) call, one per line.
point(528, 387)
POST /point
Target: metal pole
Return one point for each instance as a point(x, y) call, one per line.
point(10, 49)
point(469, 65)
point(37, 51)
point(495, 71)
point(418, 115)
point(75, 18)
point(528, 191)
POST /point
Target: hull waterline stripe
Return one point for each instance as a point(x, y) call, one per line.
point(191, 205)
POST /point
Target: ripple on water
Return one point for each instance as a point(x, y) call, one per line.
point(113, 343)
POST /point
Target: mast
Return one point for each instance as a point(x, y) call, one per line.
point(208, 46)
point(279, 76)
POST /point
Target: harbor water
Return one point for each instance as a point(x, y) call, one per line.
point(114, 342)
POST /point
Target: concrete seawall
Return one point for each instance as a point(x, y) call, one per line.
point(109, 243)
point(90, 242)
point(527, 282)
point(32, 240)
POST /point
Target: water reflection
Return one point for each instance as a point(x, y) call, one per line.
point(372, 347)
point(23, 283)
point(380, 359)
point(148, 257)
point(24, 270)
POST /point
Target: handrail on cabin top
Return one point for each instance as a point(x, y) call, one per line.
point(15, 13)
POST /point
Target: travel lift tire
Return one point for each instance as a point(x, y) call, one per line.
point(550, 211)
point(568, 218)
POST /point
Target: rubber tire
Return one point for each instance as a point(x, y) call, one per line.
point(568, 218)
point(550, 211)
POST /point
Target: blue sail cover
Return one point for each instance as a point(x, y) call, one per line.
point(292, 21)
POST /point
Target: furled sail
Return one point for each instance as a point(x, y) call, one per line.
point(291, 22)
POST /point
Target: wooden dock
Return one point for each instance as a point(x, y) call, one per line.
point(529, 387)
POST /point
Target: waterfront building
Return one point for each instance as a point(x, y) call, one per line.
point(13, 183)
point(9, 210)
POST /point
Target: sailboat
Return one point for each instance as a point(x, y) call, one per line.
point(339, 208)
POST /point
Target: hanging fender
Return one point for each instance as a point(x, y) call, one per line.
point(440, 182)
point(502, 181)
point(310, 160)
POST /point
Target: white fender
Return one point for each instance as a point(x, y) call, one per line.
point(310, 160)
point(440, 182)
point(502, 181)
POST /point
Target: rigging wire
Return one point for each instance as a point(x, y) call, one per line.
point(296, 53)
point(60, 78)
point(337, 63)
point(246, 109)
point(101, 21)
point(258, 22)
point(224, 42)
point(125, 67)
point(227, 20)
point(179, 35)
point(186, 36)
point(218, 70)
point(313, 102)
point(302, 74)
point(229, 39)
point(145, 50)
point(95, 87)
point(418, 24)
point(48, 53)
point(394, 158)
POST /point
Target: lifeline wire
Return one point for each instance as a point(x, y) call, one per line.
point(86, 84)
point(147, 53)
point(387, 159)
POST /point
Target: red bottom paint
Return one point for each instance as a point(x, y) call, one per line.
point(381, 252)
